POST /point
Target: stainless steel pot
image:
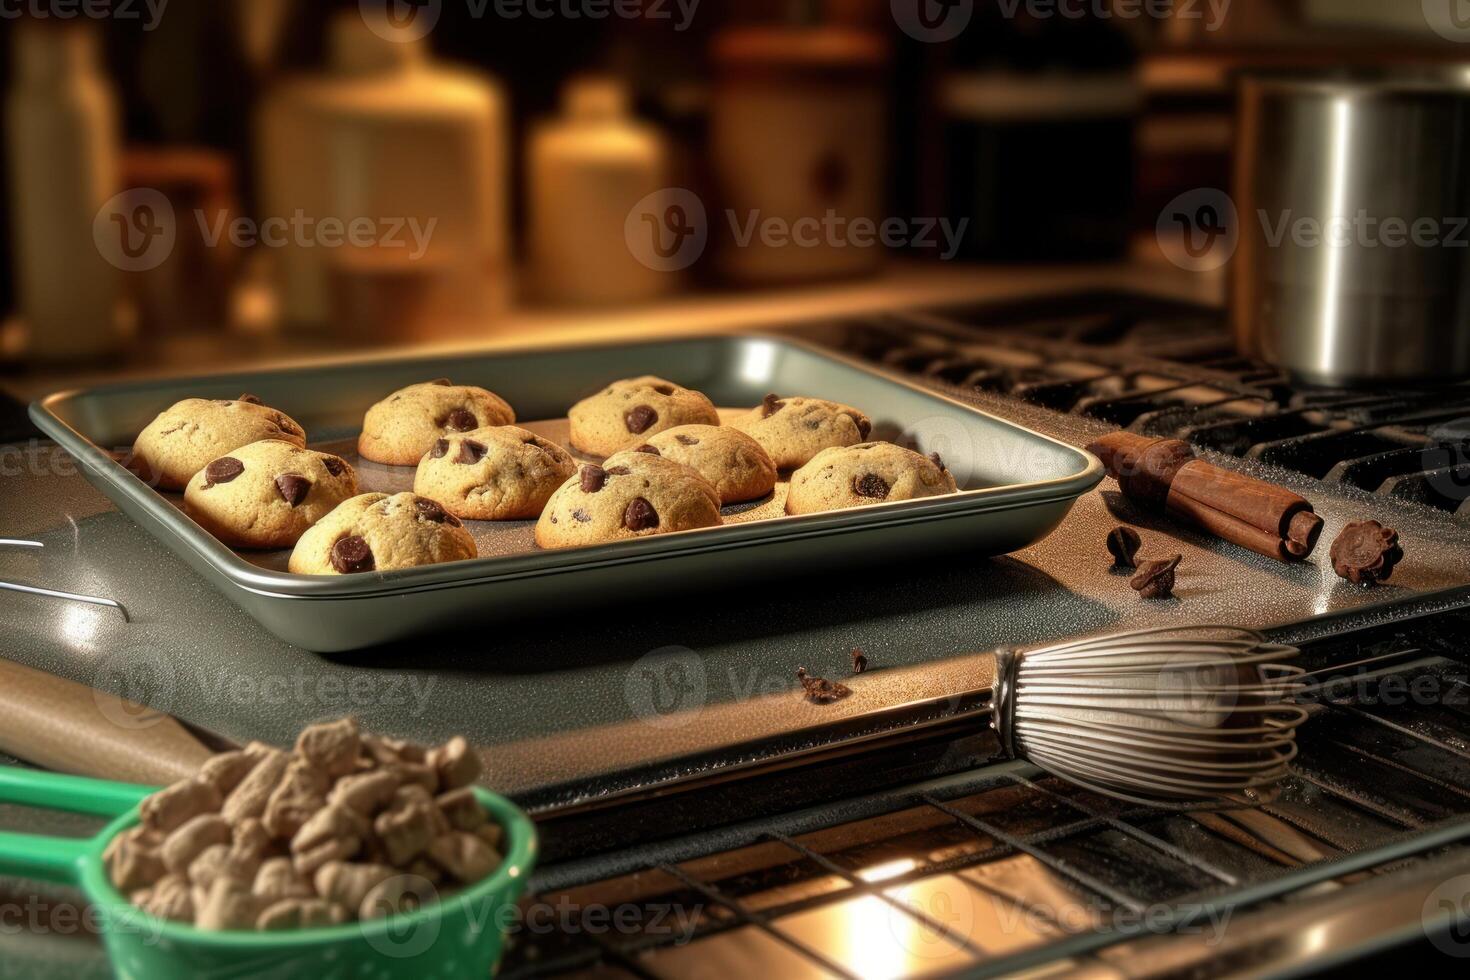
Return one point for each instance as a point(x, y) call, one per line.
point(1354, 208)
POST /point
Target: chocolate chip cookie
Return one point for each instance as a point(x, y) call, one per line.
point(402, 427)
point(731, 460)
point(266, 494)
point(869, 473)
point(378, 533)
point(183, 439)
point(793, 430)
point(626, 412)
point(501, 473)
point(634, 495)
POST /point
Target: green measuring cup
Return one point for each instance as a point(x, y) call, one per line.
point(461, 935)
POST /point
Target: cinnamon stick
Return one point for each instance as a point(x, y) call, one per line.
point(1166, 475)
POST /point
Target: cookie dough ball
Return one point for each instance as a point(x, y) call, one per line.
point(266, 494)
point(793, 430)
point(626, 412)
point(378, 533)
point(183, 439)
point(402, 427)
point(728, 458)
point(870, 473)
point(494, 474)
point(636, 495)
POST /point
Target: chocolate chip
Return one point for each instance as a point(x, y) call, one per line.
point(684, 440)
point(461, 420)
point(770, 405)
point(871, 485)
point(430, 510)
point(938, 461)
point(1366, 553)
point(352, 554)
point(593, 478)
point(334, 465)
point(664, 389)
point(250, 399)
point(640, 515)
point(639, 419)
point(581, 516)
point(859, 661)
point(292, 488)
point(820, 690)
point(864, 426)
point(471, 451)
point(1123, 545)
point(222, 470)
point(1155, 579)
point(439, 448)
point(650, 450)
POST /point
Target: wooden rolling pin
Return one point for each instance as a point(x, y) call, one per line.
point(1165, 474)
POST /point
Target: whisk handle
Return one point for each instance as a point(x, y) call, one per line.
point(1003, 698)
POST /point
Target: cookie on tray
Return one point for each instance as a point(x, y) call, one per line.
point(501, 473)
point(633, 496)
point(402, 427)
point(728, 458)
point(376, 532)
point(185, 437)
point(868, 473)
point(267, 494)
point(793, 430)
point(628, 411)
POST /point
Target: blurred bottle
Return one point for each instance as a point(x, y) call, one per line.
point(586, 171)
point(62, 141)
point(414, 149)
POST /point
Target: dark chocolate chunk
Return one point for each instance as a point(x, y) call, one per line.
point(859, 661)
point(871, 485)
point(1155, 579)
point(593, 478)
point(640, 418)
point(819, 690)
point(250, 399)
point(1123, 545)
point(684, 440)
point(664, 389)
point(581, 516)
point(471, 451)
point(461, 420)
point(1366, 552)
point(430, 510)
point(640, 515)
point(352, 554)
point(292, 487)
point(334, 465)
point(770, 405)
point(222, 470)
point(938, 461)
point(439, 448)
point(863, 425)
point(650, 450)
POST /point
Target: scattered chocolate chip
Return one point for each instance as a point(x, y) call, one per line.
point(938, 461)
point(639, 419)
point(430, 510)
point(640, 515)
point(1366, 553)
point(440, 447)
point(618, 471)
point(1155, 579)
point(1123, 545)
point(819, 690)
point(593, 478)
point(684, 440)
point(650, 450)
point(664, 389)
point(352, 554)
point(859, 661)
point(222, 470)
point(292, 488)
point(250, 399)
point(871, 485)
point(461, 420)
point(581, 516)
point(471, 451)
point(334, 465)
point(770, 405)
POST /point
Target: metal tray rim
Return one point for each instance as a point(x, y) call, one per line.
point(479, 571)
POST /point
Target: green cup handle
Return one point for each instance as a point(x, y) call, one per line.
point(58, 858)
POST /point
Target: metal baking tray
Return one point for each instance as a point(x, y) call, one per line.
point(1017, 485)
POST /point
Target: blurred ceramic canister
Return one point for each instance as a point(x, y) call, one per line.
point(587, 170)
